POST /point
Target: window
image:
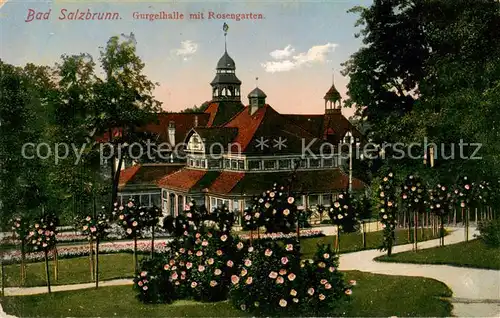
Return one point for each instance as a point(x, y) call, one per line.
point(155, 200)
point(314, 163)
point(234, 164)
point(197, 163)
point(328, 162)
point(214, 164)
point(254, 165)
point(313, 200)
point(227, 164)
point(303, 163)
point(145, 199)
point(270, 164)
point(241, 165)
point(236, 205)
point(191, 162)
point(284, 164)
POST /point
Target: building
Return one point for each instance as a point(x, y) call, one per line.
point(242, 150)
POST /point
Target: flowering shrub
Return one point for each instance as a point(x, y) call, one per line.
point(440, 200)
point(463, 192)
point(272, 280)
point(343, 214)
point(387, 208)
point(304, 217)
point(152, 283)
point(252, 218)
point(20, 227)
point(94, 228)
point(278, 209)
point(223, 218)
point(41, 236)
point(413, 194)
point(282, 236)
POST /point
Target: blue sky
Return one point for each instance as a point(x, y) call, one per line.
point(292, 50)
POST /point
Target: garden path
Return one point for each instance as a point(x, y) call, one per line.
point(476, 292)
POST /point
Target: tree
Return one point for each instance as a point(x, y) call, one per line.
point(386, 202)
point(343, 214)
point(196, 109)
point(440, 205)
point(413, 200)
point(441, 84)
point(124, 102)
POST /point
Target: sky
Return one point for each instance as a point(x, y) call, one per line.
point(294, 51)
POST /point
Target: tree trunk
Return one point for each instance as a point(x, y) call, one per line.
point(2, 274)
point(115, 179)
point(442, 232)
point(91, 260)
point(251, 237)
point(422, 226)
point(136, 264)
point(475, 216)
point(363, 227)
point(47, 272)
point(152, 241)
point(23, 262)
point(467, 216)
point(97, 262)
point(415, 228)
point(454, 217)
point(56, 264)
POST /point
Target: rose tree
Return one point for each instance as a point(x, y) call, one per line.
point(20, 228)
point(130, 218)
point(440, 205)
point(41, 237)
point(387, 207)
point(413, 199)
point(343, 214)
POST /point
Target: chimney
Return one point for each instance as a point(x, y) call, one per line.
point(171, 132)
point(196, 121)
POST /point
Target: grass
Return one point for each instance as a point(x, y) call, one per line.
point(352, 242)
point(374, 295)
point(120, 265)
point(73, 270)
point(466, 254)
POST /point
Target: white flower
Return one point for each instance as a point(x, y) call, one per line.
point(283, 302)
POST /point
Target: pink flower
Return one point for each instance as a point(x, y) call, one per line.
point(223, 238)
point(248, 263)
point(310, 291)
point(348, 292)
point(291, 277)
point(295, 300)
point(268, 252)
point(140, 283)
point(290, 200)
point(189, 265)
point(282, 271)
point(352, 282)
point(166, 267)
point(331, 269)
point(326, 256)
point(145, 287)
point(217, 272)
point(239, 245)
point(230, 263)
point(328, 286)
point(243, 272)
point(187, 208)
point(284, 260)
point(286, 212)
point(273, 275)
point(249, 280)
point(194, 284)
point(250, 249)
point(321, 297)
point(201, 268)
point(130, 204)
point(210, 261)
point(293, 292)
point(199, 253)
point(175, 275)
point(289, 247)
point(144, 273)
point(283, 302)
point(235, 279)
point(213, 283)
point(197, 235)
point(323, 281)
point(321, 265)
point(204, 243)
point(219, 252)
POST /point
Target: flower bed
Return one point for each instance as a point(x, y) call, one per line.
point(282, 236)
point(82, 250)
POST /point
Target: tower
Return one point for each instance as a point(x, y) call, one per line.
point(256, 98)
point(332, 99)
point(226, 86)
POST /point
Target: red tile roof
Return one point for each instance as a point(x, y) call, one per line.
point(247, 126)
point(183, 123)
point(127, 174)
point(147, 174)
point(225, 182)
point(182, 180)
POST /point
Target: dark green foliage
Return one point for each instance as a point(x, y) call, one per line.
point(343, 213)
point(490, 232)
point(153, 284)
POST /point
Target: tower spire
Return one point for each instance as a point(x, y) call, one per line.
point(333, 75)
point(225, 28)
point(256, 82)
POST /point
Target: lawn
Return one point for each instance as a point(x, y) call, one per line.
point(466, 254)
point(120, 265)
point(374, 295)
point(352, 242)
point(73, 270)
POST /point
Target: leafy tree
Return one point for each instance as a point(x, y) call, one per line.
point(413, 194)
point(386, 203)
point(440, 205)
point(124, 101)
point(343, 214)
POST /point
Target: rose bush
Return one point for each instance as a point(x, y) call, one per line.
point(272, 280)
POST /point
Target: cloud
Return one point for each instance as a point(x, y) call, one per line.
point(187, 49)
point(316, 54)
point(282, 54)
